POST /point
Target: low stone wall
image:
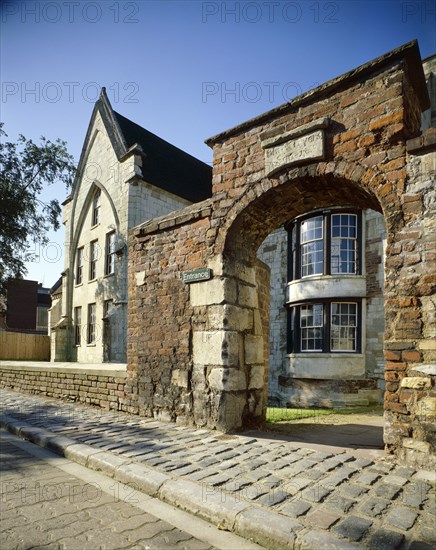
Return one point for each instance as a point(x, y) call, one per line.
point(98, 385)
point(330, 394)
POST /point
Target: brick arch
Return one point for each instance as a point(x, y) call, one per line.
point(259, 210)
point(264, 208)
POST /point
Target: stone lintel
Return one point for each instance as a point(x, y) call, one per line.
point(425, 143)
point(317, 124)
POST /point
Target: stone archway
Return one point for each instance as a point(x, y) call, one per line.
point(294, 194)
point(196, 345)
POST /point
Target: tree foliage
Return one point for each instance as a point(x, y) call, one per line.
point(25, 169)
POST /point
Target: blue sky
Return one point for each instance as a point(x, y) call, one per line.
point(183, 70)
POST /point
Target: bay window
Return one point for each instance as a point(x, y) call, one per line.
point(328, 243)
point(325, 327)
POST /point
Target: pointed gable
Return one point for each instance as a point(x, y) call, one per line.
point(163, 165)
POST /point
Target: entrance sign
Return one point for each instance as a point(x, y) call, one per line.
point(197, 275)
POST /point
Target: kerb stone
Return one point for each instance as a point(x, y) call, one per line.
point(106, 462)
point(208, 502)
point(267, 528)
point(140, 477)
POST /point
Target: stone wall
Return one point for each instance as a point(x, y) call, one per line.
point(101, 388)
point(375, 244)
point(410, 346)
point(161, 317)
point(274, 252)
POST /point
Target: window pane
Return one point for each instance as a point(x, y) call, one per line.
point(77, 325)
point(110, 253)
point(91, 323)
point(312, 258)
point(344, 244)
point(311, 327)
point(311, 229)
point(94, 255)
point(343, 330)
point(96, 203)
point(79, 266)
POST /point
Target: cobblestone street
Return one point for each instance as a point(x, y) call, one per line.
point(63, 505)
point(276, 493)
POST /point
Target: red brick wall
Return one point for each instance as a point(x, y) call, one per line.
point(161, 319)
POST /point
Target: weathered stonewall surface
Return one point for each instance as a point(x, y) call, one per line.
point(272, 493)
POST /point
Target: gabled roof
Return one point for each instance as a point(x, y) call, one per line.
point(167, 166)
point(163, 164)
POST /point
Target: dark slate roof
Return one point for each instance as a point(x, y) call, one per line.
point(56, 285)
point(167, 166)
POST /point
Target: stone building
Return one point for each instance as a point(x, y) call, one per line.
point(126, 175)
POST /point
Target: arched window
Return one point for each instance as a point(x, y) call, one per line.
point(96, 205)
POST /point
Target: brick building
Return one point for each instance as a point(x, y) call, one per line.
point(27, 306)
point(326, 316)
point(323, 166)
point(347, 275)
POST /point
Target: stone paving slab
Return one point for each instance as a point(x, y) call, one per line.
point(268, 491)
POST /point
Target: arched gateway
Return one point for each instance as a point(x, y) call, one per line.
point(198, 311)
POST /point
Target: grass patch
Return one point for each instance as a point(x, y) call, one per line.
point(277, 414)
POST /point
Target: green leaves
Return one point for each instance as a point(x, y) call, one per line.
point(26, 169)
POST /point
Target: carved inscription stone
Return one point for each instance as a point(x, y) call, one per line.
point(294, 151)
point(302, 144)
